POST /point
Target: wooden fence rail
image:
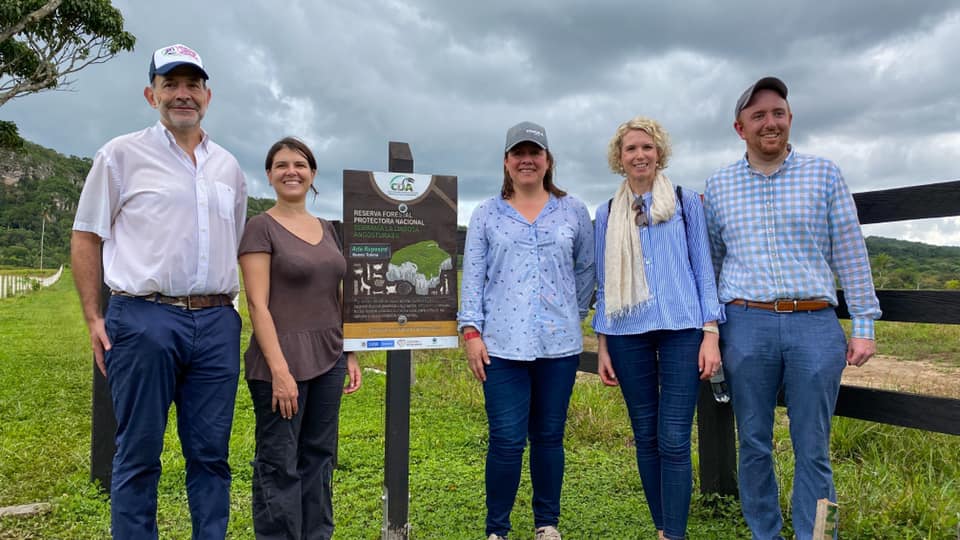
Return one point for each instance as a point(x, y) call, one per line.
point(715, 424)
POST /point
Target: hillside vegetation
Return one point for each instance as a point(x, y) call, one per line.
point(39, 189)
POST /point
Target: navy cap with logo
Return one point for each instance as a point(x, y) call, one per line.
point(168, 58)
point(766, 83)
point(526, 132)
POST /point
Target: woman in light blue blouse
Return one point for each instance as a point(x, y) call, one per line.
point(527, 281)
point(657, 313)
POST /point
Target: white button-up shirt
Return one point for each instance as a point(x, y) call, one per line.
point(168, 226)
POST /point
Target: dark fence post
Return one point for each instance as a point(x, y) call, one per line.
point(103, 427)
point(716, 446)
point(396, 474)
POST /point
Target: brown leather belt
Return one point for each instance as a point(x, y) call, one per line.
point(201, 301)
point(784, 305)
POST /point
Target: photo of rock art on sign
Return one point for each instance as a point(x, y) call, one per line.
point(422, 268)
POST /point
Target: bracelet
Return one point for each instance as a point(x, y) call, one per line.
point(711, 329)
point(470, 334)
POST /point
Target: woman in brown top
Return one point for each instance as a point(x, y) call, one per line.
point(295, 365)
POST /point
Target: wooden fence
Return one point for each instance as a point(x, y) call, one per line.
point(715, 422)
point(715, 425)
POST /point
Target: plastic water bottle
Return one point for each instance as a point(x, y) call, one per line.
point(719, 386)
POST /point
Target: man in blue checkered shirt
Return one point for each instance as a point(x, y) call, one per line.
point(782, 226)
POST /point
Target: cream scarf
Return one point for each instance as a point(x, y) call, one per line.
point(625, 281)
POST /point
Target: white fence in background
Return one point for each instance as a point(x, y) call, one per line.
point(14, 285)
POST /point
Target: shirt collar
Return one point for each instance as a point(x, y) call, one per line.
point(505, 209)
point(162, 129)
point(745, 162)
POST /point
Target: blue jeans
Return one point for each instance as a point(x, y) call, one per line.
point(659, 378)
point(526, 399)
point(161, 355)
point(294, 461)
point(804, 353)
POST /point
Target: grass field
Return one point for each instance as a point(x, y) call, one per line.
point(893, 483)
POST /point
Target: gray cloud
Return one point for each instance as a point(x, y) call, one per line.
point(872, 85)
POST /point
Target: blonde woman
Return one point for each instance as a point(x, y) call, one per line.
point(657, 313)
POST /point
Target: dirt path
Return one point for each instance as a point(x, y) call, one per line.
point(916, 376)
point(891, 373)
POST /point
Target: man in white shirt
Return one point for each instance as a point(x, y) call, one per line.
point(168, 205)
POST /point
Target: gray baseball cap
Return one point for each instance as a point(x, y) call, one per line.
point(766, 83)
point(526, 132)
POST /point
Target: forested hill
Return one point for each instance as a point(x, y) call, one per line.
point(899, 264)
point(40, 186)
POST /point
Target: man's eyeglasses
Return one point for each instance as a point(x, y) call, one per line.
point(641, 217)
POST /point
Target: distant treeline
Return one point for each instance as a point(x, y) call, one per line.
point(898, 264)
point(39, 189)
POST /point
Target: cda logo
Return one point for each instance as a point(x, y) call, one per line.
point(402, 184)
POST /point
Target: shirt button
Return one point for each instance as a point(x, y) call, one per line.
point(646, 261)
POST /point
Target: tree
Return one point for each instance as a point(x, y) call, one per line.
point(881, 263)
point(43, 42)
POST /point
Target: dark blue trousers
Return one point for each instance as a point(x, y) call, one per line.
point(659, 378)
point(526, 400)
point(161, 355)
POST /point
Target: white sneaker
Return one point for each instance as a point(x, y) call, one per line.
point(496, 537)
point(548, 533)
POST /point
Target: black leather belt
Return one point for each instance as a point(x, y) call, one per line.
point(194, 302)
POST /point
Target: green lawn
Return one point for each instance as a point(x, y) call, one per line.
point(893, 483)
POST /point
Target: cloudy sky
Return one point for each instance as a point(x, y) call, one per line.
point(873, 86)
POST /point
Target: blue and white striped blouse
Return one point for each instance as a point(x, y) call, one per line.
point(683, 291)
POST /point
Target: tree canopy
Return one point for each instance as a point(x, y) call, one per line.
point(43, 42)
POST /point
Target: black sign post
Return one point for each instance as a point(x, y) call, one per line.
point(103, 427)
point(396, 460)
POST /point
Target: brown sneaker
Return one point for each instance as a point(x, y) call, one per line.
point(548, 533)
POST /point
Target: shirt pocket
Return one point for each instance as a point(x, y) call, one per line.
point(225, 201)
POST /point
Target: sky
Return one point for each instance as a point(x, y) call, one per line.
point(872, 85)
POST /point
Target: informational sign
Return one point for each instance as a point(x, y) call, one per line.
point(400, 241)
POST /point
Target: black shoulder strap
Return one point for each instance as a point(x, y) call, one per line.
point(680, 200)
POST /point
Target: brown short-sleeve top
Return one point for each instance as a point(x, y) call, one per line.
point(304, 302)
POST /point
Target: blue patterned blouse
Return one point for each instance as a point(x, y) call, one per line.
point(526, 286)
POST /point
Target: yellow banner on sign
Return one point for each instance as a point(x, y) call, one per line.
point(374, 330)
